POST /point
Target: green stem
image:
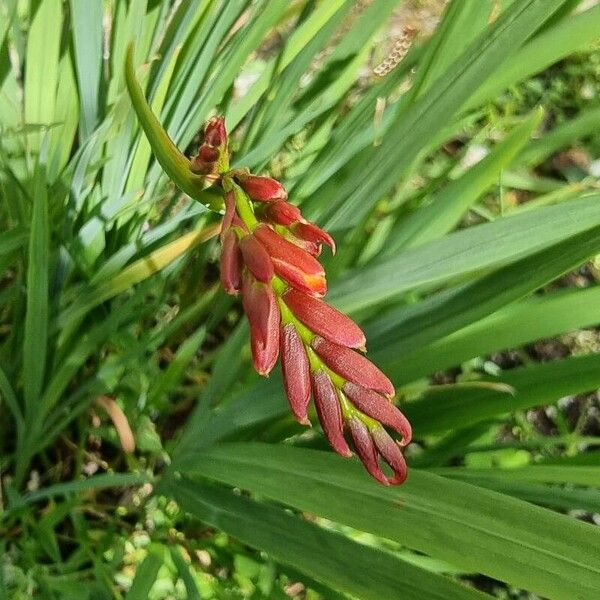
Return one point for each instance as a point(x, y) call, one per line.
point(174, 163)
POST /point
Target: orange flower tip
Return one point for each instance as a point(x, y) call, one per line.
point(215, 134)
point(261, 189)
point(295, 265)
point(324, 320)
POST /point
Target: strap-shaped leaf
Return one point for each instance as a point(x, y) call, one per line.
point(530, 547)
point(362, 571)
point(175, 164)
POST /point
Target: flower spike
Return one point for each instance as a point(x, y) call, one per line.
point(268, 256)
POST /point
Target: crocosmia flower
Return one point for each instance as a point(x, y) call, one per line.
point(269, 257)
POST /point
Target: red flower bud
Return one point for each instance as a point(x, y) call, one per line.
point(283, 213)
point(215, 134)
point(329, 411)
point(353, 366)
point(297, 267)
point(296, 372)
point(310, 247)
point(379, 408)
point(325, 320)
point(390, 451)
point(256, 258)
point(229, 200)
point(230, 263)
point(261, 189)
point(205, 161)
point(260, 306)
point(365, 448)
point(309, 232)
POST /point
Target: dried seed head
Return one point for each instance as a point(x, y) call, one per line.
point(397, 53)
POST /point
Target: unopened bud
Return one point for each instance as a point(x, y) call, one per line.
point(261, 189)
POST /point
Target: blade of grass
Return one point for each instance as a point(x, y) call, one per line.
point(362, 571)
point(87, 30)
point(534, 385)
point(523, 322)
point(448, 206)
point(507, 538)
point(470, 251)
point(41, 66)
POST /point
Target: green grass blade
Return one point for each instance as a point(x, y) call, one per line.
point(36, 320)
point(467, 252)
point(507, 538)
point(41, 66)
point(146, 575)
point(534, 385)
point(532, 319)
point(581, 126)
point(135, 273)
point(186, 575)
point(87, 29)
point(565, 37)
point(446, 312)
point(361, 571)
point(382, 166)
point(448, 206)
point(7, 394)
point(175, 164)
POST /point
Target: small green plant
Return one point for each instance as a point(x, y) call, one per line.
point(141, 455)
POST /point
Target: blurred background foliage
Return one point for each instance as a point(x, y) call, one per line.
point(452, 149)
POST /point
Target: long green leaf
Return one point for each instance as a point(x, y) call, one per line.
point(41, 71)
point(537, 317)
point(361, 571)
point(449, 311)
point(447, 207)
point(382, 166)
point(565, 37)
point(534, 385)
point(465, 252)
point(87, 40)
point(36, 320)
point(470, 527)
point(146, 575)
